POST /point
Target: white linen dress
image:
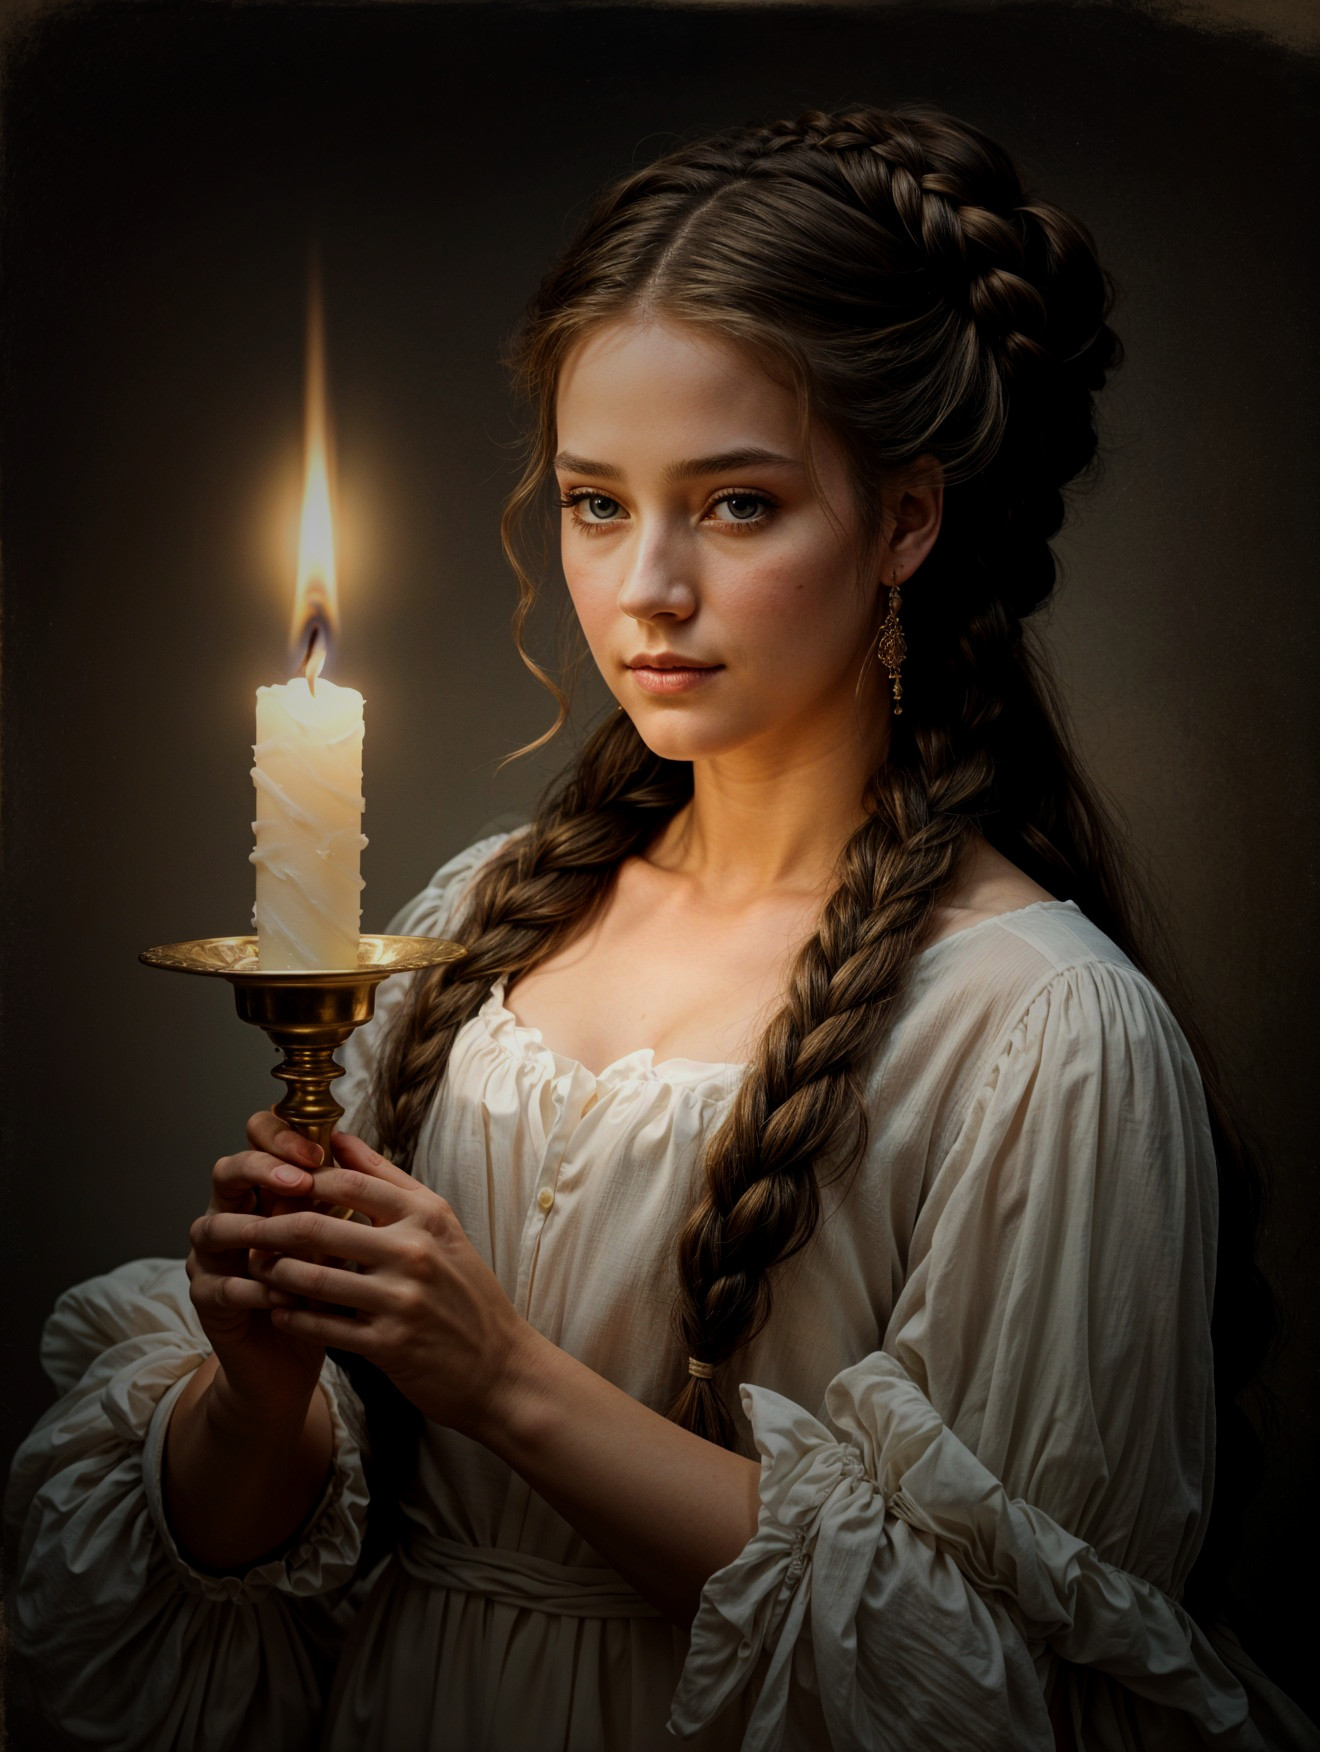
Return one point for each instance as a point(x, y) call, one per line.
point(983, 1408)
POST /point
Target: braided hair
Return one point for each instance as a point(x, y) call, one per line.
point(893, 268)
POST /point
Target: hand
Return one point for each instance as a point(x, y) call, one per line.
point(429, 1310)
point(264, 1373)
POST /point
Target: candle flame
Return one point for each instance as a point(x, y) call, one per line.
point(316, 598)
point(314, 661)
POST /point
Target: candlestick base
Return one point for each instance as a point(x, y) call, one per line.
point(307, 1015)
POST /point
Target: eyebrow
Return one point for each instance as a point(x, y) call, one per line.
point(679, 471)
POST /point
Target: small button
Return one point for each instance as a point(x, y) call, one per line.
point(545, 1198)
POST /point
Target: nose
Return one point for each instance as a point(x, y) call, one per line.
point(658, 578)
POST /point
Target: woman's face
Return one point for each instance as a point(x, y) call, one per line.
point(718, 593)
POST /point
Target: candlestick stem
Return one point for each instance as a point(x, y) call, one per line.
point(307, 1019)
point(308, 1106)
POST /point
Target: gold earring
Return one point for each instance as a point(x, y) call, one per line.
point(892, 648)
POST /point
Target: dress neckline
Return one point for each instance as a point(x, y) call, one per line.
point(523, 1040)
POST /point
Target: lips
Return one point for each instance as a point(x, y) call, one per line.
point(665, 675)
point(668, 660)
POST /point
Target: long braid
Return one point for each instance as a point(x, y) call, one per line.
point(800, 1099)
point(799, 1111)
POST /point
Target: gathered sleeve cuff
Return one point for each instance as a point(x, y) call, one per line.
point(132, 1645)
point(887, 1560)
point(325, 1553)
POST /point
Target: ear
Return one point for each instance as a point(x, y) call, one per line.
point(913, 499)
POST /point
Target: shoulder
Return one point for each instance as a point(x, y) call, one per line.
point(1041, 1071)
point(437, 907)
point(1036, 1005)
point(1002, 966)
point(1005, 944)
point(1076, 1005)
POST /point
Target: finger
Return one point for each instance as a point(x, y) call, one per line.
point(267, 1131)
point(215, 1234)
point(322, 1283)
point(235, 1177)
point(353, 1153)
point(299, 1232)
point(378, 1199)
point(229, 1295)
point(327, 1329)
point(220, 1234)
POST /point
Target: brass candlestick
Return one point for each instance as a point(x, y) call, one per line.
point(307, 1014)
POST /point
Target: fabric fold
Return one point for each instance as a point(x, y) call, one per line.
point(830, 1498)
point(1089, 1612)
point(515, 1578)
point(153, 1652)
point(759, 1603)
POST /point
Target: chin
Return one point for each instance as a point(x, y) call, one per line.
point(686, 735)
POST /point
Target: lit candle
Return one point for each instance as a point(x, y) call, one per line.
point(308, 752)
point(308, 775)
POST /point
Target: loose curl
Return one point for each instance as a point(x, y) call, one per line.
point(891, 266)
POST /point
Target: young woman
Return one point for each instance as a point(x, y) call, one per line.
point(794, 1222)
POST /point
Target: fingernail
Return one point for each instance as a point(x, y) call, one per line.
point(288, 1176)
point(313, 1154)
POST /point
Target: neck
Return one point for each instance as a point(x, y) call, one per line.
point(772, 818)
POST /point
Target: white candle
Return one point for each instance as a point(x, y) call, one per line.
point(308, 775)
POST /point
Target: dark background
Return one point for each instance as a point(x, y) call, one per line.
point(164, 172)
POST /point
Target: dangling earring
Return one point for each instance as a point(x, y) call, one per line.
point(892, 648)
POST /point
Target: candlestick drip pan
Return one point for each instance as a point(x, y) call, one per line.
point(308, 1013)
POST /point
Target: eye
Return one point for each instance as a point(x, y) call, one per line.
point(743, 508)
point(598, 507)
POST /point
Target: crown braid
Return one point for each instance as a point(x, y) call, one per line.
point(974, 228)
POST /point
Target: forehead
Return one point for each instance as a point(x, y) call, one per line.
point(635, 388)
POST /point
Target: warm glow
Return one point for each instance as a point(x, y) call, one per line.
point(316, 600)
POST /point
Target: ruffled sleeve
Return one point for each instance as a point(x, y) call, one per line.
point(1018, 1477)
point(129, 1645)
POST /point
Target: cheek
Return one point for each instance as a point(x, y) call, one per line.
point(594, 595)
point(790, 603)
